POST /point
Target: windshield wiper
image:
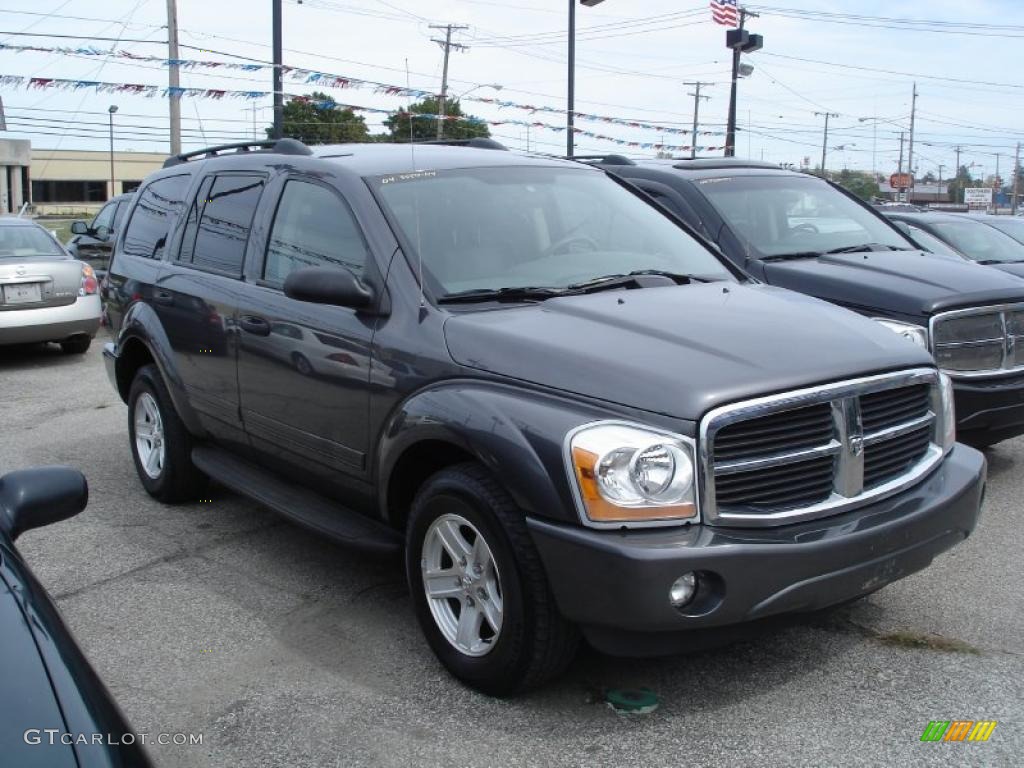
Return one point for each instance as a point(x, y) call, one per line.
point(797, 255)
point(866, 247)
point(615, 281)
point(990, 262)
point(523, 293)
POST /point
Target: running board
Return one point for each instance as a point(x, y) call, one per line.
point(299, 504)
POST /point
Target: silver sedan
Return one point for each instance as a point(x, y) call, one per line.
point(45, 295)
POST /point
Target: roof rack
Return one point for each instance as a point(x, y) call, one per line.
point(710, 163)
point(477, 142)
point(603, 159)
point(280, 146)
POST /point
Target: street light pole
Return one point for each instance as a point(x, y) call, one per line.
point(570, 110)
point(110, 113)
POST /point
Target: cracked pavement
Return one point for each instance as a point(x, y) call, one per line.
point(283, 649)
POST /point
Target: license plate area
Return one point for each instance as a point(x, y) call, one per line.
point(23, 293)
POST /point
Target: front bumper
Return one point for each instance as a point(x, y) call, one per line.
point(28, 326)
point(615, 584)
point(988, 410)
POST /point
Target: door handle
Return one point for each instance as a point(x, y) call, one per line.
point(255, 325)
point(163, 297)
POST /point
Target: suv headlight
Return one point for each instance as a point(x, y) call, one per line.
point(914, 333)
point(947, 423)
point(629, 474)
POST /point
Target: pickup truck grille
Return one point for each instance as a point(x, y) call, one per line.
point(815, 452)
point(982, 341)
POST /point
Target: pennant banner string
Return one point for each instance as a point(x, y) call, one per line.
point(150, 91)
point(327, 80)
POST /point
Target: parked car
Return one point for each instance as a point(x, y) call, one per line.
point(969, 236)
point(595, 423)
point(1008, 225)
point(93, 242)
point(45, 295)
point(52, 697)
point(801, 232)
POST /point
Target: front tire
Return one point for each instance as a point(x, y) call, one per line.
point(480, 592)
point(161, 446)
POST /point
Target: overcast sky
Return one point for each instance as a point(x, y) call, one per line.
point(632, 61)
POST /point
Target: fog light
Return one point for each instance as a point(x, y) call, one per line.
point(683, 589)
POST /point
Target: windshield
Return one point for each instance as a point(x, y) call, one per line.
point(1014, 227)
point(782, 215)
point(515, 227)
point(28, 242)
point(931, 243)
point(979, 242)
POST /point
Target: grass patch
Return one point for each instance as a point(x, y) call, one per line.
point(931, 642)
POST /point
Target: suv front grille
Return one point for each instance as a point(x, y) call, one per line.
point(983, 341)
point(806, 454)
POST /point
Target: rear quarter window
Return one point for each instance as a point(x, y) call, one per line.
point(159, 204)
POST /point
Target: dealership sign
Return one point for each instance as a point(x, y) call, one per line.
point(978, 197)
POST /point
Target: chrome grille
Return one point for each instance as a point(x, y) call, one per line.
point(982, 341)
point(815, 452)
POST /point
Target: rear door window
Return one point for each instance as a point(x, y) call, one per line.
point(158, 205)
point(225, 217)
point(313, 227)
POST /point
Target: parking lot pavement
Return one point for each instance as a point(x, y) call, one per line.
point(283, 650)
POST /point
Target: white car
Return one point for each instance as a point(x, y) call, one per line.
point(45, 295)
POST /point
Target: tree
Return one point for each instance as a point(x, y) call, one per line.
point(929, 178)
point(316, 119)
point(959, 183)
point(863, 185)
point(466, 127)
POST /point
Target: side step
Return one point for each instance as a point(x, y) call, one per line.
point(297, 503)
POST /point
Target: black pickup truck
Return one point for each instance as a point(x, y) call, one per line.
point(569, 413)
point(801, 232)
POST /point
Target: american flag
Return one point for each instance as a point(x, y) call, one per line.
point(725, 12)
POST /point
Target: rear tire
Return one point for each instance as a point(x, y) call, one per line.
point(532, 643)
point(76, 346)
point(161, 445)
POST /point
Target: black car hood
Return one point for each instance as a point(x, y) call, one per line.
point(678, 350)
point(27, 700)
point(911, 283)
point(1012, 268)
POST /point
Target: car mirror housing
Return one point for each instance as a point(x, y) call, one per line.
point(101, 232)
point(328, 285)
point(79, 228)
point(32, 498)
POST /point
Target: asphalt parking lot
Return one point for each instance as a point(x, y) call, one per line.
point(220, 618)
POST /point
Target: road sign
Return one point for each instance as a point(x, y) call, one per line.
point(901, 181)
point(978, 197)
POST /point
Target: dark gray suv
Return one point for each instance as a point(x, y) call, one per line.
point(570, 414)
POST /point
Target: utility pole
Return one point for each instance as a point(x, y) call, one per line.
point(1016, 182)
point(824, 143)
point(278, 73)
point(696, 112)
point(174, 99)
point(447, 44)
point(738, 45)
point(910, 153)
point(957, 176)
point(941, 166)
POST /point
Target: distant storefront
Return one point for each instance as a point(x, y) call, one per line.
point(57, 181)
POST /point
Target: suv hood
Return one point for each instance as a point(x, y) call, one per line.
point(910, 283)
point(678, 350)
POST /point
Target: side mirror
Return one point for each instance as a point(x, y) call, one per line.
point(32, 498)
point(903, 227)
point(79, 228)
point(328, 285)
point(102, 232)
